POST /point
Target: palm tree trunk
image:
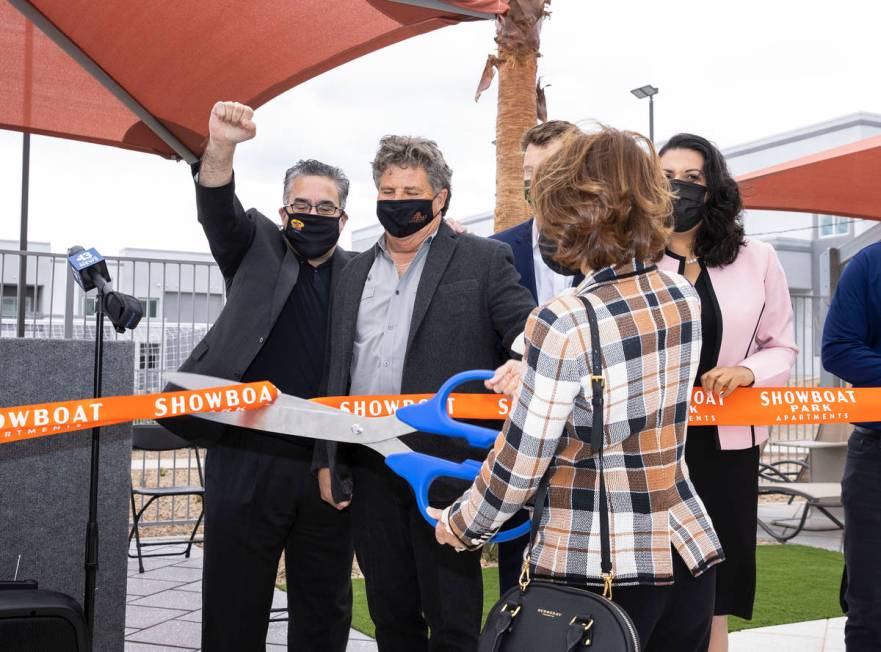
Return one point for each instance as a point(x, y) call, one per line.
point(518, 37)
point(516, 115)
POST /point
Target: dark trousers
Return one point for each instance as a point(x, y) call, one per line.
point(861, 496)
point(511, 554)
point(676, 617)
point(413, 584)
point(258, 504)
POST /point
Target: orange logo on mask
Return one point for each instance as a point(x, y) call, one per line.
point(297, 225)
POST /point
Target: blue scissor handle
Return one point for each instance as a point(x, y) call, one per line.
point(421, 470)
point(432, 416)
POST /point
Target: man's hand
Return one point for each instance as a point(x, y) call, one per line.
point(724, 380)
point(230, 123)
point(457, 226)
point(507, 379)
point(324, 483)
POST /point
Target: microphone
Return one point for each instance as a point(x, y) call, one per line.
point(89, 270)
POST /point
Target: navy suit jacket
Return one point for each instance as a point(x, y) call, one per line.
point(519, 238)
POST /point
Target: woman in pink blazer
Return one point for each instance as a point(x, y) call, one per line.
point(748, 339)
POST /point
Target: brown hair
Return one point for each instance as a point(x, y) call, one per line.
point(603, 199)
point(546, 132)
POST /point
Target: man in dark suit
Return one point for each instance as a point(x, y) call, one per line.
point(421, 305)
point(261, 498)
point(543, 283)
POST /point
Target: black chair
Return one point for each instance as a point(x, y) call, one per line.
point(153, 437)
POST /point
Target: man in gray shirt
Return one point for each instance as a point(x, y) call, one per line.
point(386, 311)
point(421, 305)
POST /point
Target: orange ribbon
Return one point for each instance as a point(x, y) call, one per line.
point(747, 406)
point(45, 419)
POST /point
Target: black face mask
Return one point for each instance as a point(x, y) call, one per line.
point(312, 235)
point(689, 207)
point(403, 217)
point(548, 250)
point(527, 187)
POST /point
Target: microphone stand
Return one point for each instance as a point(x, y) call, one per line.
point(92, 527)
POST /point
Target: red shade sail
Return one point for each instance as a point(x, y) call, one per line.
point(163, 64)
point(839, 181)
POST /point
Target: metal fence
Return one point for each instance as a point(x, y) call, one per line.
point(809, 313)
point(181, 301)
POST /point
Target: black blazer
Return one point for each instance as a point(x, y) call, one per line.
point(519, 238)
point(469, 308)
point(260, 271)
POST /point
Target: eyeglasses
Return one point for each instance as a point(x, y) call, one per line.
point(323, 208)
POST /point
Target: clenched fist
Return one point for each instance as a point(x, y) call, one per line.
point(231, 123)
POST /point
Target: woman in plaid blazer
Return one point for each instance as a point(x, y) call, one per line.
point(603, 207)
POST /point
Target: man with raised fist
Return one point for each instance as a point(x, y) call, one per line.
point(261, 498)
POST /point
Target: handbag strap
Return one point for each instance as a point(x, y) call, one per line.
point(596, 443)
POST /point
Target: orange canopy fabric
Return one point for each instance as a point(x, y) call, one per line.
point(840, 181)
point(177, 58)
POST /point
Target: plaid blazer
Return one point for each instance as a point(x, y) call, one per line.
point(649, 328)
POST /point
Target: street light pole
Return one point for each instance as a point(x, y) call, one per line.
point(643, 92)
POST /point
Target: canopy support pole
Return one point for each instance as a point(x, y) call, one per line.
point(89, 65)
point(439, 5)
point(23, 236)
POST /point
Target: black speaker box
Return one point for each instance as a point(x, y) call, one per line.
point(41, 621)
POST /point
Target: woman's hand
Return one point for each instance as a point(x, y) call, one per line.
point(507, 379)
point(724, 380)
point(442, 531)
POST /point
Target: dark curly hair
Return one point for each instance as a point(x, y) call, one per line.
point(721, 235)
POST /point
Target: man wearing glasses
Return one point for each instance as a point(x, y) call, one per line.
point(261, 498)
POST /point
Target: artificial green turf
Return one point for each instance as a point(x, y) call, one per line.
point(794, 584)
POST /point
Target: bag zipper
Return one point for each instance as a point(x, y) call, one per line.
point(629, 623)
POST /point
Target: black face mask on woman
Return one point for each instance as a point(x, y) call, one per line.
point(548, 250)
point(689, 207)
point(403, 217)
point(310, 235)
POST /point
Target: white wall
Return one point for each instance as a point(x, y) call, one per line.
point(798, 266)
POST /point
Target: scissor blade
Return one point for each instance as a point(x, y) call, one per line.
point(290, 415)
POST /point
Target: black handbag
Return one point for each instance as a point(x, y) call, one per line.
point(552, 617)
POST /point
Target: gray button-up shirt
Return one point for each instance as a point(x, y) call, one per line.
point(383, 326)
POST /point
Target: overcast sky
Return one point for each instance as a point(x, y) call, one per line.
point(732, 71)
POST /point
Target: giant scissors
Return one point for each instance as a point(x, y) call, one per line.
point(290, 415)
